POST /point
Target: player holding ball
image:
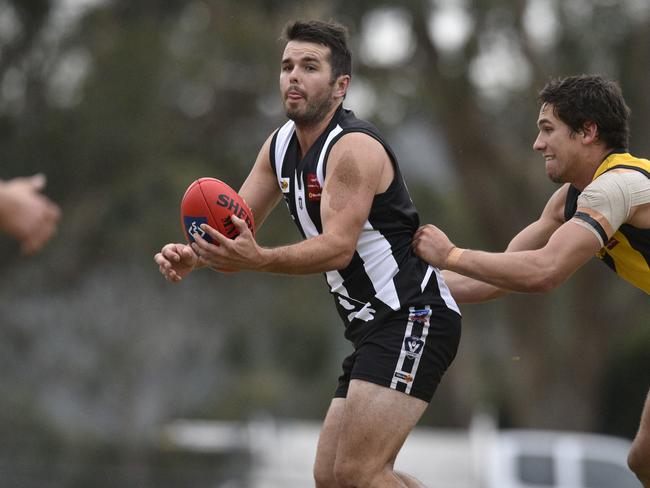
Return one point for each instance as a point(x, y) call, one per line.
point(344, 189)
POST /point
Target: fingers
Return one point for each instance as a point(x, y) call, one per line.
point(176, 252)
point(175, 261)
point(240, 224)
point(38, 181)
point(213, 250)
point(216, 236)
point(39, 224)
point(164, 265)
point(201, 244)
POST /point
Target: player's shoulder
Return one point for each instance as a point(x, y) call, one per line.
point(358, 146)
point(616, 182)
point(622, 176)
point(357, 137)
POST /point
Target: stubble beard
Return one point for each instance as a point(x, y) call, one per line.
point(555, 178)
point(557, 174)
point(314, 113)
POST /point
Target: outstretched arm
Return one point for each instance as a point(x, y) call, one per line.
point(469, 290)
point(538, 271)
point(535, 236)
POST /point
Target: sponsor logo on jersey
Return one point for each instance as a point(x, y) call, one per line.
point(313, 188)
point(611, 244)
point(284, 185)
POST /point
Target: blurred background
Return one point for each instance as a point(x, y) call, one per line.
point(122, 104)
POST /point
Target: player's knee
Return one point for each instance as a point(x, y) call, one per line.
point(639, 459)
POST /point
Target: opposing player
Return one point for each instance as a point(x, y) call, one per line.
point(344, 190)
point(602, 209)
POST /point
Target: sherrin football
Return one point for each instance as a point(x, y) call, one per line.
point(211, 201)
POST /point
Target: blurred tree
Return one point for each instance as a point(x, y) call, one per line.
point(124, 103)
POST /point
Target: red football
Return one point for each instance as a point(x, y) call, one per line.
point(211, 201)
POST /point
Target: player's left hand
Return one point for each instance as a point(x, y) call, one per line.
point(242, 252)
point(432, 245)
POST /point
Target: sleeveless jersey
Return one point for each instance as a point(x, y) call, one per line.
point(384, 271)
point(628, 250)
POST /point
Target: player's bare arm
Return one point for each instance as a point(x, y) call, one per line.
point(537, 271)
point(357, 169)
point(534, 236)
point(260, 189)
point(540, 257)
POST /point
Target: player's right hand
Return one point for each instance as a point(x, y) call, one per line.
point(432, 245)
point(176, 261)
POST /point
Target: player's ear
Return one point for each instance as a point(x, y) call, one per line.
point(341, 86)
point(589, 132)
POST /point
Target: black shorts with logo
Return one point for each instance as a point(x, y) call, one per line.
point(408, 350)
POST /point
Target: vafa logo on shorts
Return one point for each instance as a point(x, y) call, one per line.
point(413, 347)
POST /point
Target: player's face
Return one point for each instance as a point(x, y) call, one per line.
point(558, 144)
point(308, 91)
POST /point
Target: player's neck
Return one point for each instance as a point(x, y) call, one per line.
point(308, 133)
point(590, 166)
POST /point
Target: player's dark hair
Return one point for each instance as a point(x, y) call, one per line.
point(330, 34)
point(578, 100)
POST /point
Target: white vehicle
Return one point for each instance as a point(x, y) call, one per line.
point(545, 459)
point(282, 454)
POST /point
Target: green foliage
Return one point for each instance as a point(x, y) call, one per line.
point(173, 90)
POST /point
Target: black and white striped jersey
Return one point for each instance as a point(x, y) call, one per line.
point(384, 272)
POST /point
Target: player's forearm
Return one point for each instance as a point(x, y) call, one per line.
point(469, 290)
point(526, 271)
point(315, 255)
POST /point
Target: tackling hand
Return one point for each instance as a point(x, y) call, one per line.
point(432, 245)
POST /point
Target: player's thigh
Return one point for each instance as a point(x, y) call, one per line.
point(375, 424)
point(328, 441)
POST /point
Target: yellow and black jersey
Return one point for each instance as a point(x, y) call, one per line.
point(627, 252)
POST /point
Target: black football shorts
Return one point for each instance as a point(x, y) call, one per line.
point(408, 350)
